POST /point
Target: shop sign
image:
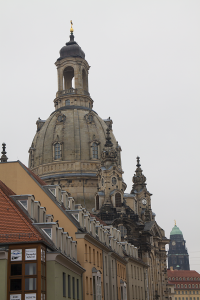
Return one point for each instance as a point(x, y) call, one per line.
point(15, 297)
point(16, 254)
point(30, 254)
point(30, 296)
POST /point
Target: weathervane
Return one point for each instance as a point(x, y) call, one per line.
point(71, 29)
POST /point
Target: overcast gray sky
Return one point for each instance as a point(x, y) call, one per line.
point(145, 74)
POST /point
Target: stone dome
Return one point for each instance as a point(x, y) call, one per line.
point(77, 129)
point(67, 147)
point(72, 49)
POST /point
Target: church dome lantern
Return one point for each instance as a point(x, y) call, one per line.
point(67, 146)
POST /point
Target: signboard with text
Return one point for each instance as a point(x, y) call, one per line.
point(30, 296)
point(30, 254)
point(15, 297)
point(16, 254)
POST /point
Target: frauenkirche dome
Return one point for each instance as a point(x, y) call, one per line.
point(67, 146)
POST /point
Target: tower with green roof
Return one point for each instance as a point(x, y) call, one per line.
point(178, 257)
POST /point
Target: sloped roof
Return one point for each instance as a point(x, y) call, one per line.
point(182, 273)
point(15, 226)
point(101, 222)
point(39, 180)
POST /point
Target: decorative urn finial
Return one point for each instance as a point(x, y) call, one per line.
point(108, 139)
point(4, 157)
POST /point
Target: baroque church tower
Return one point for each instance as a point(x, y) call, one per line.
point(178, 256)
point(77, 149)
point(67, 147)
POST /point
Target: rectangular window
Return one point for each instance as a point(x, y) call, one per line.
point(30, 269)
point(15, 284)
point(90, 254)
point(85, 252)
point(77, 288)
point(87, 292)
point(94, 256)
point(32, 209)
point(69, 286)
point(97, 259)
point(16, 269)
point(90, 286)
point(38, 214)
point(64, 284)
point(73, 287)
point(94, 288)
point(100, 261)
point(30, 284)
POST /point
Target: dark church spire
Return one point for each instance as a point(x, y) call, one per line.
point(138, 179)
point(3, 156)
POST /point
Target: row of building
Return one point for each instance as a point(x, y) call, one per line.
point(53, 248)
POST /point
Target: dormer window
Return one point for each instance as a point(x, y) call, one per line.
point(75, 216)
point(53, 191)
point(24, 203)
point(57, 151)
point(47, 231)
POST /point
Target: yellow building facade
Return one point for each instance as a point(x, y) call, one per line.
point(99, 248)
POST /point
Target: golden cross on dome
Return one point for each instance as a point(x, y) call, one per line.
point(71, 29)
point(175, 222)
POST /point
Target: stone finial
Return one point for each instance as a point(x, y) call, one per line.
point(108, 139)
point(138, 162)
point(3, 156)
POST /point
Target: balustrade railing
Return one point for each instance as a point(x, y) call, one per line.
point(72, 91)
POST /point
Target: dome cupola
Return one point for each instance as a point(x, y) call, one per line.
point(175, 231)
point(72, 49)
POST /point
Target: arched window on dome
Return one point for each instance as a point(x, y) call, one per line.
point(57, 151)
point(68, 78)
point(85, 81)
point(118, 202)
point(95, 150)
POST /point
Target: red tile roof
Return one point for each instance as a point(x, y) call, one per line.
point(182, 273)
point(101, 222)
point(15, 225)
